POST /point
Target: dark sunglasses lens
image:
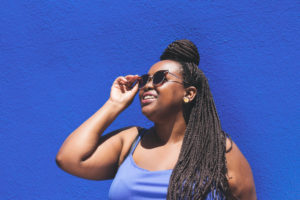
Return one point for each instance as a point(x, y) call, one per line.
point(143, 81)
point(158, 77)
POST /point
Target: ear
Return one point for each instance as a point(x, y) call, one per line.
point(190, 93)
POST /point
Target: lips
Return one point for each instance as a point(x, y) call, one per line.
point(148, 97)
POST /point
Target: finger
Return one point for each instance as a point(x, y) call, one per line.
point(121, 80)
point(135, 88)
point(122, 88)
point(132, 78)
point(134, 83)
point(129, 76)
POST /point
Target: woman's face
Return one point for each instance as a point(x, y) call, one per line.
point(164, 100)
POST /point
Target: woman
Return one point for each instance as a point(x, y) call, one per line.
point(185, 155)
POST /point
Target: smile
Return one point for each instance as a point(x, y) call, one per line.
point(148, 97)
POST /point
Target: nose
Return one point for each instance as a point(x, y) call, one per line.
point(149, 84)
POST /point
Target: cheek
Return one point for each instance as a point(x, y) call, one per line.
point(171, 97)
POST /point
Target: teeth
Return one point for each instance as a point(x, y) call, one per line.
point(149, 97)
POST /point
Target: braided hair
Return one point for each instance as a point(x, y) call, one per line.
point(201, 166)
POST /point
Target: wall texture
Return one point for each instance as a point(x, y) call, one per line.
point(58, 60)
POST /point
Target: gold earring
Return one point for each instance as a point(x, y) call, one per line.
point(186, 99)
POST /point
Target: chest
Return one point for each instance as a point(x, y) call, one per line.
point(156, 158)
point(133, 182)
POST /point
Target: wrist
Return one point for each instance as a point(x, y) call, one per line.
point(115, 105)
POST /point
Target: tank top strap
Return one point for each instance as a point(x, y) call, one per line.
point(141, 133)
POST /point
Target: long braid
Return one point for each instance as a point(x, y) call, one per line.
point(201, 166)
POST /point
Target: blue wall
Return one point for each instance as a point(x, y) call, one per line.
point(58, 60)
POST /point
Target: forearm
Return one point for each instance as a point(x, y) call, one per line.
point(82, 142)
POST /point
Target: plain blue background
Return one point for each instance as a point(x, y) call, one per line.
point(58, 60)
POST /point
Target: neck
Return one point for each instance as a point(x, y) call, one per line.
point(171, 130)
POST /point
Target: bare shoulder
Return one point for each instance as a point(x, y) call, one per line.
point(123, 135)
point(127, 136)
point(240, 177)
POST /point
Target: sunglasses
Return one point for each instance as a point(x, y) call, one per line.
point(158, 78)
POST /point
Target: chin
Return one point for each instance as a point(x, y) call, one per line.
point(154, 115)
point(150, 112)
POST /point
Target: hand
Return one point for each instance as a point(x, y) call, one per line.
point(123, 90)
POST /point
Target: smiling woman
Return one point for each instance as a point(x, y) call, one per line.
point(185, 155)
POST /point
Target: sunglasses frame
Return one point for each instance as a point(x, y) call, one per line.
point(150, 78)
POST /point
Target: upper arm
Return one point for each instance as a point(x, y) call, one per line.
point(240, 176)
point(104, 161)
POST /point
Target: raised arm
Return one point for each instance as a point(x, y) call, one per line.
point(85, 153)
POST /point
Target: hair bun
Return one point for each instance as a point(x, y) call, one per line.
point(181, 51)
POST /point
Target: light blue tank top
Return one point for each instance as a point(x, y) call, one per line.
point(135, 183)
